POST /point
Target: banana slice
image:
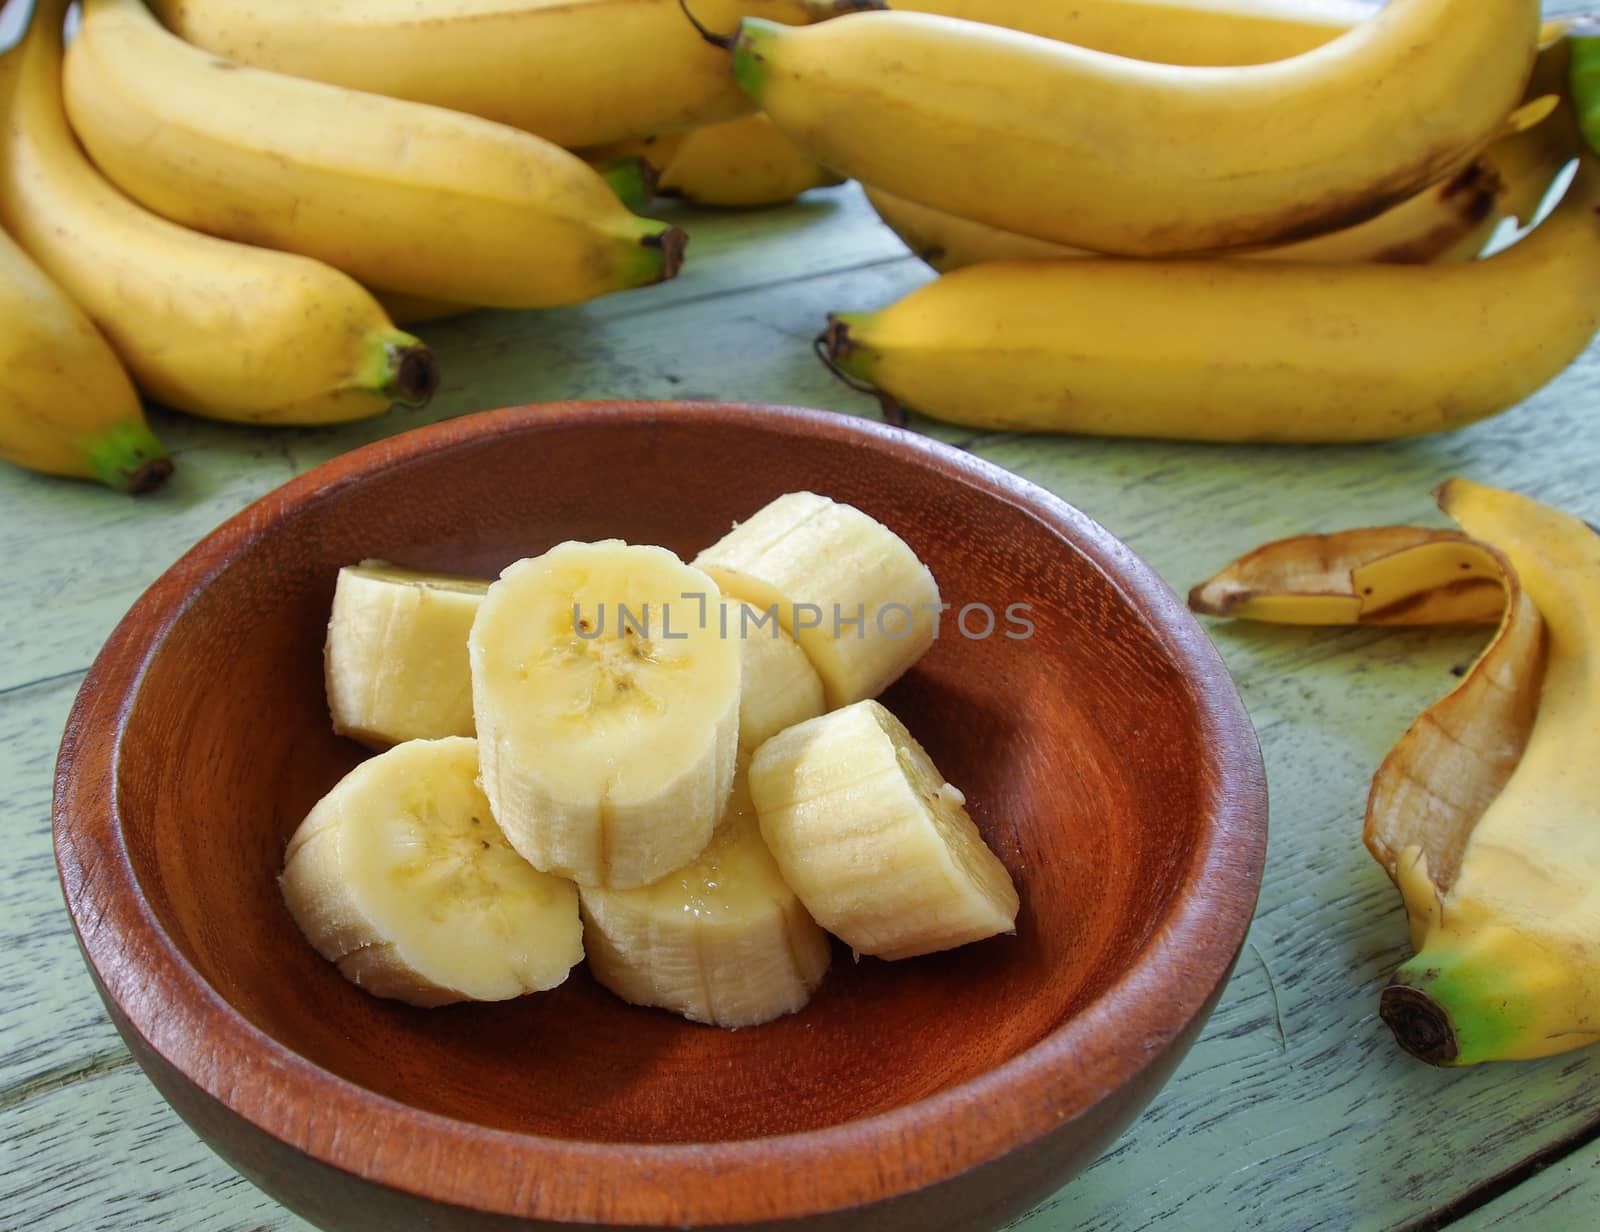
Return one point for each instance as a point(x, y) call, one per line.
point(877, 845)
point(721, 941)
point(396, 655)
point(607, 705)
point(842, 584)
point(401, 877)
point(778, 686)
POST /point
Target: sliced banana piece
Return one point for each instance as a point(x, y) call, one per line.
point(607, 705)
point(721, 941)
point(401, 877)
point(842, 584)
point(877, 845)
point(778, 686)
point(396, 654)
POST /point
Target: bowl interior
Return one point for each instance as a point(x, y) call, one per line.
point(1078, 748)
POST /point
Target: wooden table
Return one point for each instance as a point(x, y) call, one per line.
point(1295, 1109)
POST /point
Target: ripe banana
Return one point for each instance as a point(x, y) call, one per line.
point(210, 327)
point(1238, 350)
point(1197, 32)
point(743, 162)
point(397, 668)
point(1067, 144)
point(578, 72)
point(1449, 221)
point(401, 877)
point(395, 659)
point(403, 196)
point(878, 846)
point(1505, 967)
point(607, 705)
point(722, 940)
point(842, 584)
point(66, 405)
point(778, 687)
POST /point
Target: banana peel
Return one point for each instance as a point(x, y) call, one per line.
point(1486, 813)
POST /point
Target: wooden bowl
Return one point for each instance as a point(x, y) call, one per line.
point(1107, 759)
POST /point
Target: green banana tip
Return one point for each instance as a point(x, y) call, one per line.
point(634, 179)
point(130, 459)
point(1583, 81)
point(749, 45)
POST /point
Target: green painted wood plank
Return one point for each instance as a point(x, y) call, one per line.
point(50, 1018)
point(1564, 1197)
point(102, 1155)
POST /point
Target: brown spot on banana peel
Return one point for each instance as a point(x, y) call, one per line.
point(1334, 211)
point(1393, 613)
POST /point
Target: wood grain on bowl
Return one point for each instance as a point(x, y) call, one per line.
point(1106, 758)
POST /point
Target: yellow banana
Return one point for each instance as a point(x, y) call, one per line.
point(1196, 32)
point(1202, 33)
point(1504, 921)
point(401, 195)
point(1237, 350)
point(632, 176)
point(578, 72)
point(210, 327)
point(1076, 146)
point(66, 405)
point(743, 162)
point(1451, 221)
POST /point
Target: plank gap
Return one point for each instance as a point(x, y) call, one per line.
point(57, 678)
point(1498, 1186)
point(54, 1079)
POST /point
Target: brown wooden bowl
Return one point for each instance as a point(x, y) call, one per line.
point(1107, 759)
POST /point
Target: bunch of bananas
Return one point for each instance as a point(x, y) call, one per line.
point(228, 207)
point(1241, 220)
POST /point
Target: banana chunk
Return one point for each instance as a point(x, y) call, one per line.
point(400, 876)
point(842, 584)
point(396, 654)
point(721, 941)
point(877, 845)
point(607, 705)
point(778, 686)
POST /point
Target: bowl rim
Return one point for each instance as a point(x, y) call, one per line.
point(1064, 1076)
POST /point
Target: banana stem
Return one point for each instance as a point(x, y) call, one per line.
point(406, 369)
point(723, 42)
point(1420, 1024)
point(672, 242)
point(834, 344)
point(633, 178)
